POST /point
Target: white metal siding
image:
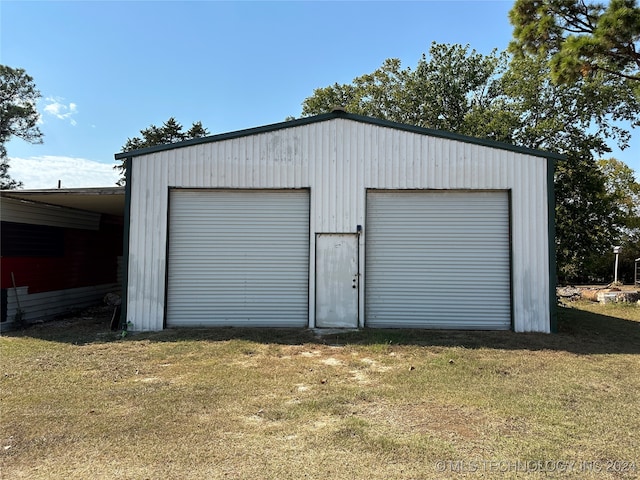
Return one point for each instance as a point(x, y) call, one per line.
point(338, 160)
point(238, 258)
point(438, 260)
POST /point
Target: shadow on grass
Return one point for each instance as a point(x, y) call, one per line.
point(579, 332)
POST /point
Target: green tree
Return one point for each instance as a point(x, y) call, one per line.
point(624, 192)
point(512, 101)
point(6, 182)
point(622, 186)
point(581, 39)
point(454, 88)
point(170, 132)
point(577, 120)
point(18, 116)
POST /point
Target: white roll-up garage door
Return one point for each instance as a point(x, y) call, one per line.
point(438, 259)
point(238, 258)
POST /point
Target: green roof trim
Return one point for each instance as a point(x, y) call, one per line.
point(347, 116)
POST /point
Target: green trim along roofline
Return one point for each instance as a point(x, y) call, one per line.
point(348, 116)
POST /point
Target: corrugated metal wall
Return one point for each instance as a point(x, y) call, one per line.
point(338, 160)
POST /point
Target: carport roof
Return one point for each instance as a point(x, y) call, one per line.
point(107, 200)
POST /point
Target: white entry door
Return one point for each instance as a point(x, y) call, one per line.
point(337, 280)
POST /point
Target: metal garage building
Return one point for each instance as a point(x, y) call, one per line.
point(340, 220)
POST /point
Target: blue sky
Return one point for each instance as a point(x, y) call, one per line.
point(108, 69)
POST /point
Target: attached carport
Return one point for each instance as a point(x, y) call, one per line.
point(106, 200)
point(61, 251)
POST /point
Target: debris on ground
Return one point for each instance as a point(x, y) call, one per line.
point(568, 293)
point(604, 294)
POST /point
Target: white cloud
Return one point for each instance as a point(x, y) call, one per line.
point(58, 109)
point(45, 171)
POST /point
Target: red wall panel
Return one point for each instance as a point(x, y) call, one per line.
point(89, 258)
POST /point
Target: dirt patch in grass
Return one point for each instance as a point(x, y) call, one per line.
point(79, 402)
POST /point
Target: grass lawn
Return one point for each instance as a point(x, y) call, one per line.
point(76, 401)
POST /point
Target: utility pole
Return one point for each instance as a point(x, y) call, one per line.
point(616, 250)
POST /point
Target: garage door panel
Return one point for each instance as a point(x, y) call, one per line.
point(238, 258)
point(438, 260)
